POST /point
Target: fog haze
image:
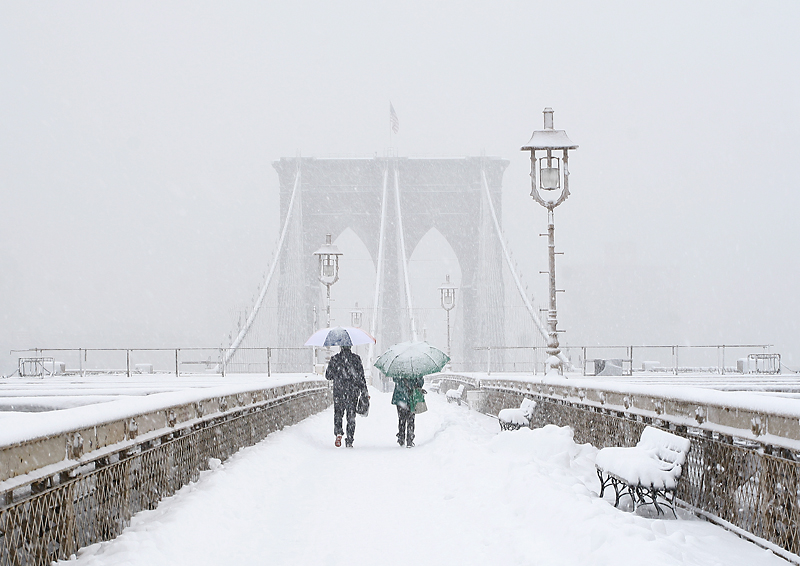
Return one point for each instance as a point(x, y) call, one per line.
point(140, 205)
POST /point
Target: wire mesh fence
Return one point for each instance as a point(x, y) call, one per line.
point(71, 510)
point(732, 481)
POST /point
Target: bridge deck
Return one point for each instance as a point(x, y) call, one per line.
point(465, 495)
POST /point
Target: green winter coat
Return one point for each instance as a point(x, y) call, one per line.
point(403, 386)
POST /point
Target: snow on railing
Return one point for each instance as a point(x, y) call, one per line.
point(749, 416)
point(742, 469)
point(85, 482)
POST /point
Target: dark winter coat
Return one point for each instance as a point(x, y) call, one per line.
point(403, 386)
point(347, 373)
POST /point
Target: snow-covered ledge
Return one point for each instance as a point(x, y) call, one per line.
point(34, 446)
point(763, 418)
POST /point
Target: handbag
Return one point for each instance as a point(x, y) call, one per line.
point(418, 400)
point(362, 403)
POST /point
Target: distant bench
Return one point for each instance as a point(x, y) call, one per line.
point(648, 472)
point(514, 419)
point(455, 395)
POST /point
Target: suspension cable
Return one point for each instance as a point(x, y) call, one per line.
point(379, 270)
point(517, 280)
point(403, 254)
point(251, 318)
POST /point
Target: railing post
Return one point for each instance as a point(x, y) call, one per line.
point(128, 362)
point(222, 357)
point(269, 355)
point(584, 361)
point(177, 371)
point(675, 358)
point(631, 358)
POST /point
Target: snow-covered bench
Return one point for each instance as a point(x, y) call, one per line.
point(455, 395)
point(648, 472)
point(514, 419)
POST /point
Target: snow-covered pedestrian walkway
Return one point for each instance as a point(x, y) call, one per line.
point(466, 494)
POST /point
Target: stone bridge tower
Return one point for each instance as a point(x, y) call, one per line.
point(448, 194)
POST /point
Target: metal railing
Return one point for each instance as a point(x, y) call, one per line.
point(42, 362)
point(671, 358)
point(740, 482)
point(94, 497)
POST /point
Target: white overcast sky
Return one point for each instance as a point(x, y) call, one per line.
point(136, 141)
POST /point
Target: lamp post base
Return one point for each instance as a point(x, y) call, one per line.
point(554, 366)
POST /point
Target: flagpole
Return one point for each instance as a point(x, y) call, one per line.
point(393, 126)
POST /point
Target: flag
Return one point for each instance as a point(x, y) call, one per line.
point(395, 123)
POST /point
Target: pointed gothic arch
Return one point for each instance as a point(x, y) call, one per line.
point(445, 194)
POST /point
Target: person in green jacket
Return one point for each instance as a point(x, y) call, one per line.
point(402, 398)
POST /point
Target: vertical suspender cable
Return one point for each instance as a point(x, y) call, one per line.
point(517, 281)
point(243, 332)
point(403, 254)
point(379, 268)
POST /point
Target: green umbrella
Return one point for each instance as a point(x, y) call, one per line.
point(411, 359)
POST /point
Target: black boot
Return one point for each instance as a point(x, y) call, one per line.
point(400, 439)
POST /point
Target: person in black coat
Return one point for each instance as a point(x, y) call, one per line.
point(347, 373)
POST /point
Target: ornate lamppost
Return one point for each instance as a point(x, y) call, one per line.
point(448, 293)
point(356, 317)
point(328, 256)
point(550, 173)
